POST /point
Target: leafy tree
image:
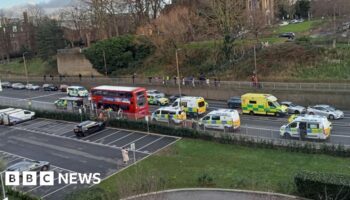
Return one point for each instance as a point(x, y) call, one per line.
point(120, 52)
point(302, 8)
point(49, 38)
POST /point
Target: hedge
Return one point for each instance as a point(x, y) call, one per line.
point(19, 195)
point(316, 185)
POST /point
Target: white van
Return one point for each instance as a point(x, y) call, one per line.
point(222, 119)
point(16, 116)
point(193, 106)
point(307, 126)
point(169, 114)
point(77, 91)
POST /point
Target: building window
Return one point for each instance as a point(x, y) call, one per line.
point(14, 29)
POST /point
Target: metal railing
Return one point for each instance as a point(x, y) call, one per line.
point(185, 83)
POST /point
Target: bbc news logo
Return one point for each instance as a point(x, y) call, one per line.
point(47, 178)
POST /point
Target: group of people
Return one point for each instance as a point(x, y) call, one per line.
point(186, 81)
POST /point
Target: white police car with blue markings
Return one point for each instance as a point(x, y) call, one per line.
point(222, 119)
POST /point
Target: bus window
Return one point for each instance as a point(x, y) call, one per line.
point(140, 98)
point(201, 104)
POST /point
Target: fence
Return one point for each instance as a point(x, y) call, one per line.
point(184, 82)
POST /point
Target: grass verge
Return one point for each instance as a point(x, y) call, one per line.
point(36, 67)
point(197, 163)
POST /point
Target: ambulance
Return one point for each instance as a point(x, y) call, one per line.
point(193, 106)
point(307, 127)
point(222, 119)
point(263, 104)
point(169, 114)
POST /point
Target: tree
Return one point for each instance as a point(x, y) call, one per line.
point(257, 22)
point(37, 14)
point(49, 38)
point(302, 8)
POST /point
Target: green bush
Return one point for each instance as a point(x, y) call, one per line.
point(316, 185)
point(90, 194)
point(19, 195)
point(205, 180)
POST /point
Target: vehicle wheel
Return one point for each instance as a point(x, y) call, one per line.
point(159, 104)
point(230, 106)
point(331, 117)
point(45, 168)
point(32, 118)
point(287, 136)
point(296, 112)
point(251, 113)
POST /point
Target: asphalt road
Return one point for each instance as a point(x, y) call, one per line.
point(54, 141)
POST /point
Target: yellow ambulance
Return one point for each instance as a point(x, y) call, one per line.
point(262, 104)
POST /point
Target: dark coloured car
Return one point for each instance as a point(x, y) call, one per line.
point(289, 35)
point(176, 96)
point(36, 166)
point(234, 102)
point(6, 84)
point(50, 87)
point(88, 127)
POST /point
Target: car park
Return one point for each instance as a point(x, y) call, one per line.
point(155, 92)
point(325, 110)
point(155, 99)
point(294, 108)
point(307, 127)
point(30, 86)
point(18, 86)
point(234, 102)
point(77, 91)
point(169, 115)
point(222, 119)
point(88, 127)
point(34, 166)
point(6, 84)
point(50, 87)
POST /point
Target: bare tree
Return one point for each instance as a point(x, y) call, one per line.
point(256, 22)
point(36, 13)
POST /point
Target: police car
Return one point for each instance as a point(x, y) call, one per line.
point(88, 127)
point(169, 114)
point(155, 99)
point(222, 119)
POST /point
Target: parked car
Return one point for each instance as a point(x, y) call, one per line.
point(50, 87)
point(63, 87)
point(234, 102)
point(35, 166)
point(173, 98)
point(32, 87)
point(155, 92)
point(284, 23)
point(289, 35)
point(88, 127)
point(325, 110)
point(18, 86)
point(155, 99)
point(6, 84)
point(293, 108)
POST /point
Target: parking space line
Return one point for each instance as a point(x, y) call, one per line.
point(60, 134)
point(106, 136)
point(63, 127)
point(37, 187)
point(95, 134)
point(55, 191)
point(35, 124)
point(135, 140)
point(150, 143)
point(121, 138)
point(15, 158)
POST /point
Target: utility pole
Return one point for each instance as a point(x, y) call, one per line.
point(178, 73)
point(105, 63)
point(255, 65)
point(25, 65)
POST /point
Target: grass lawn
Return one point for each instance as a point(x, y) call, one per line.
point(229, 166)
point(36, 67)
point(300, 27)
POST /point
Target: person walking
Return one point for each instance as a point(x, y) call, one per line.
point(125, 154)
point(133, 78)
point(80, 76)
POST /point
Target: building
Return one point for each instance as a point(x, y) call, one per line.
point(16, 36)
point(266, 6)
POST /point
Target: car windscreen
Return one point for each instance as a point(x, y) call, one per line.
point(201, 104)
point(276, 104)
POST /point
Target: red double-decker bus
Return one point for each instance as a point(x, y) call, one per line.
point(131, 100)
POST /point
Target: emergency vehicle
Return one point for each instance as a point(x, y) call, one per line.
point(223, 119)
point(155, 99)
point(169, 114)
point(74, 102)
point(307, 126)
point(193, 106)
point(77, 91)
point(264, 104)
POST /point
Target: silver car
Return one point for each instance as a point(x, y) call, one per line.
point(18, 86)
point(30, 86)
point(35, 166)
point(325, 110)
point(293, 108)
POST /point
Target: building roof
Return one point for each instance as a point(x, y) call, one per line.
point(116, 88)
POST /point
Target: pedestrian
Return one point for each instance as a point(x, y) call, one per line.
point(215, 82)
point(150, 79)
point(92, 76)
point(163, 80)
point(175, 80)
point(133, 78)
point(80, 76)
point(208, 82)
point(183, 81)
point(44, 77)
point(125, 154)
point(193, 81)
point(167, 80)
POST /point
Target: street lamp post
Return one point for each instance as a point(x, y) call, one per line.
point(178, 73)
point(3, 187)
point(25, 65)
point(105, 63)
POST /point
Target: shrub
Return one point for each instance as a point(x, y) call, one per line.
point(19, 195)
point(205, 180)
point(316, 185)
point(90, 194)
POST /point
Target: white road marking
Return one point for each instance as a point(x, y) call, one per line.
point(95, 134)
point(135, 140)
point(106, 136)
point(121, 138)
point(150, 143)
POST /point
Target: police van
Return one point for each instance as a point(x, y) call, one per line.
point(307, 127)
point(193, 106)
point(77, 91)
point(14, 116)
point(169, 114)
point(223, 119)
